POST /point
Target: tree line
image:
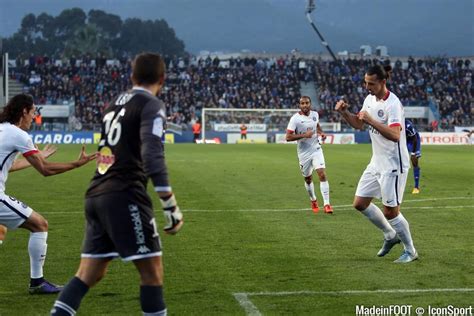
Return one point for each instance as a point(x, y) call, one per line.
point(73, 32)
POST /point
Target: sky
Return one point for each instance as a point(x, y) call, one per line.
point(406, 27)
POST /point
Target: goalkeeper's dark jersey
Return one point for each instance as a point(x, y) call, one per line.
point(130, 148)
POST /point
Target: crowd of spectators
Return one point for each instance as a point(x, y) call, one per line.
point(447, 83)
point(248, 83)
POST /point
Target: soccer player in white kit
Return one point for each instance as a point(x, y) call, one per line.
point(386, 175)
point(304, 128)
point(15, 120)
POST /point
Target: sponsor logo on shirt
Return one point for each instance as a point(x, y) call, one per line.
point(373, 130)
point(105, 160)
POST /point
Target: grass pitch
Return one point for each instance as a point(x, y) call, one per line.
point(251, 244)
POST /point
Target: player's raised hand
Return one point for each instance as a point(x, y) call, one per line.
point(341, 105)
point(173, 215)
point(364, 116)
point(84, 157)
point(48, 150)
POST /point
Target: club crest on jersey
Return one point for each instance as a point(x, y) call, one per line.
point(105, 160)
point(380, 113)
point(314, 119)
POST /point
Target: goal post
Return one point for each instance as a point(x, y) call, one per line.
point(3, 78)
point(256, 120)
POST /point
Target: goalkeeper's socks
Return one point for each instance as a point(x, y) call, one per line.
point(151, 300)
point(310, 189)
point(324, 187)
point(416, 173)
point(401, 226)
point(375, 215)
point(70, 298)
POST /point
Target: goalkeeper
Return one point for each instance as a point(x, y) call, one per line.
point(119, 212)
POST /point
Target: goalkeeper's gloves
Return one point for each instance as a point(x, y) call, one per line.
point(173, 215)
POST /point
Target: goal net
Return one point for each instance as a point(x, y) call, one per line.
point(259, 122)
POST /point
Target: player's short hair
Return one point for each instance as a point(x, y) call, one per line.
point(306, 97)
point(382, 72)
point(13, 111)
point(148, 68)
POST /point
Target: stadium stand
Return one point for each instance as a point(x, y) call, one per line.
point(251, 82)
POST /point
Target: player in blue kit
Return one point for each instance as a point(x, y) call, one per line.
point(414, 148)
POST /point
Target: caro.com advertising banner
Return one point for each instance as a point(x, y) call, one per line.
point(65, 138)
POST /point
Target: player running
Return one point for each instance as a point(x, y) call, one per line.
point(414, 149)
point(15, 120)
point(304, 128)
point(386, 175)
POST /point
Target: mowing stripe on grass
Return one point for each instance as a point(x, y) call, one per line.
point(282, 209)
point(250, 309)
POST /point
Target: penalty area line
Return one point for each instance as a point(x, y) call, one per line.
point(251, 310)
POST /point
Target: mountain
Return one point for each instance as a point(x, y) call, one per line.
point(415, 27)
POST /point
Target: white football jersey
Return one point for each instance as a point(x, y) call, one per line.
point(387, 156)
point(13, 140)
point(299, 124)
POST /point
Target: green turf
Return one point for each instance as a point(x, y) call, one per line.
point(245, 232)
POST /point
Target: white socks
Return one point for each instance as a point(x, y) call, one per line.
point(324, 187)
point(37, 249)
point(310, 189)
point(375, 215)
point(402, 228)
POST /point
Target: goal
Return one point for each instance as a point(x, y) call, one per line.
point(257, 120)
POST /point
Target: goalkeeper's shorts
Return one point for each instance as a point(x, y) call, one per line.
point(121, 224)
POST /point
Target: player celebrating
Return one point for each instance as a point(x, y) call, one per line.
point(119, 212)
point(414, 148)
point(15, 120)
point(304, 127)
point(385, 176)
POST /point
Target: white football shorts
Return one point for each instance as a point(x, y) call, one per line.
point(315, 162)
point(13, 213)
point(389, 186)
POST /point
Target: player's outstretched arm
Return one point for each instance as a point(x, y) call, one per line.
point(351, 119)
point(20, 164)
point(173, 215)
point(47, 168)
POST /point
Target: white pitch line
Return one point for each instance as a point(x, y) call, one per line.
point(355, 292)
point(337, 206)
point(306, 209)
point(251, 310)
point(280, 210)
point(246, 304)
point(341, 208)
